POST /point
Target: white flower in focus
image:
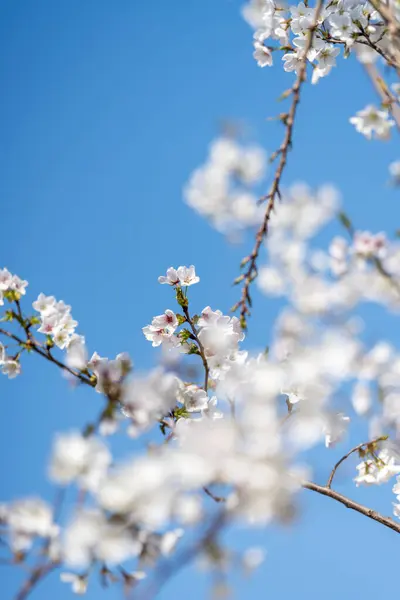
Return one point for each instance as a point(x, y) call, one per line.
point(44, 304)
point(50, 321)
point(376, 472)
point(79, 583)
point(81, 459)
point(171, 278)
point(262, 55)
point(342, 27)
point(372, 122)
point(167, 320)
point(18, 285)
point(302, 18)
point(301, 43)
point(183, 276)
point(292, 61)
point(326, 60)
point(187, 276)
point(208, 317)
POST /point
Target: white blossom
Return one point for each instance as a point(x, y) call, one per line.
point(372, 122)
point(80, 459)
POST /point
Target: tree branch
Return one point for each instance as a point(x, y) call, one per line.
point(38, 574)
point(252, 271)
point(32, 345)
point(364, 510)
point(355, 449)
point(383, 91)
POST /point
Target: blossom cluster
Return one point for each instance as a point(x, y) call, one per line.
point(229, 432)
point(354, 26)
point(55, 320)
point(222, 189)
point(236, 430)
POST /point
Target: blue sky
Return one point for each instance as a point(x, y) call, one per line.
point(106, 109)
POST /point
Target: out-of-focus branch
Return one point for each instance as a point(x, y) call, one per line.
point(164, 574)
point(251, 272)
point(37, 575)
point(383, 90)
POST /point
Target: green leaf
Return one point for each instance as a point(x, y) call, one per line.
point(194, 349)
point(181, 298)
point(184, 335)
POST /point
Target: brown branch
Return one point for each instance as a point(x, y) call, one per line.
point(38, 574)
point(33, 345)
point(383, 91)
point(252, 271)
point(364, 510)
point(213, 496)
point(393, 25)
point(346, 456)
point(168, 571)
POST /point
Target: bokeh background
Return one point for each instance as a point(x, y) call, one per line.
point(106, 108)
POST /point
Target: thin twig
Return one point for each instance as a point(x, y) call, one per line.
point(169, 570)
point(252, 272)
point(32, 345)
point(364, 510)
point(213, 496)
point(355, 449)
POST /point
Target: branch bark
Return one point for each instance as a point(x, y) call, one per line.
point(252, 271)
point(364, 510)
